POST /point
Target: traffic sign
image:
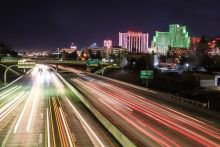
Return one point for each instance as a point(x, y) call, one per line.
point(92, 62)
point(146, 74)
point(26, 64)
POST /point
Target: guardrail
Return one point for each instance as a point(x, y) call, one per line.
point(106, 67)
point(186, 100)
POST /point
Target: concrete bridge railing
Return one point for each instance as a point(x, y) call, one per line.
point(60, 62)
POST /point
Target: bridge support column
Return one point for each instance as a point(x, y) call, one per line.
point(57, 68)
point(88, 69)
point(5, 73)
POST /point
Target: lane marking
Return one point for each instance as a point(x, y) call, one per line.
point(48, 130)
point(21, 115)
point(85, 123)
point(141, 124)
point(40, 138)
point(41, 115)
point(11, 106)
point(65, 126)
point(51, 120)
point(10, 92)
point(33, 107)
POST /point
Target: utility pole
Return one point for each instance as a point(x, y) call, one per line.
point(58, 53)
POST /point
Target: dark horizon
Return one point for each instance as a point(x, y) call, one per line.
point(51, 24)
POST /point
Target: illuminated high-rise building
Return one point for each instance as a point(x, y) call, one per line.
point(136, 42)
point(177, 37)
point(108, 44)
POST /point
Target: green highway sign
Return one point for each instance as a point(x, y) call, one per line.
point(92, 62)
point(146, 74)
point(26, 64)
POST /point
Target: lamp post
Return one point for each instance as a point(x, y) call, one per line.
point(111, 60)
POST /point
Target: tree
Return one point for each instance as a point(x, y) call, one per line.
point(163, 58)
point(4, 48)
point(91, 55)
point(13, 53)
point(203, 46)
point(202, 50)
point(75, 55)
point(63, 54)
point(83, 56)
point(124, 62)
point(98, 55)
point(207, 61)
point(217, 44)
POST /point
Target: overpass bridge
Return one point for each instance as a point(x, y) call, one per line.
point(60, 62)
point(89, 64)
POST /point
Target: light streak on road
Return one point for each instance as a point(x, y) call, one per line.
point(66, 129)
point(52, 127)
point(85, 123)
point(34, 95)
point(48, 130)
point(161, 118)
point(61, 130)
point(147, 133)
point(9, 89)
point(9, 92)
point(34, 71)
point(31, 103)
point(202, 126)
point(21, 115)
point(70, 69)
point(158, 112)
point(11, 106)
point(59, 86)
point(181, 117)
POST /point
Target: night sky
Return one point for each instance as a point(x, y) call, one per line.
point(50, 24)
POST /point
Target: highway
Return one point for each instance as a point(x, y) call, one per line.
point(146, 118)
point(39, 110)
point(21, 113)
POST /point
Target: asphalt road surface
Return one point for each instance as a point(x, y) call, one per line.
point(39, 110)
point(146, 118)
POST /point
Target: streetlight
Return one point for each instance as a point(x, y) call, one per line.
point(111, 61)
point(187, 66)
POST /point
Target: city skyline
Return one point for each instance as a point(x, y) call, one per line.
point(47, 24)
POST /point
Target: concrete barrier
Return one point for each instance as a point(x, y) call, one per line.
point(122, 139)
point(6, 86)
point(157, 93)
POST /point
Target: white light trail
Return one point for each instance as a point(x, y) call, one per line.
point(10, 106)
point(8, 92)
point(20, 117)
point(35, 94)
point(6, 106)
point(65, 126)
point(48, 130)
point(85, 123)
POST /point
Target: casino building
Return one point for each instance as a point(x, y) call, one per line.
point(135, 42)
